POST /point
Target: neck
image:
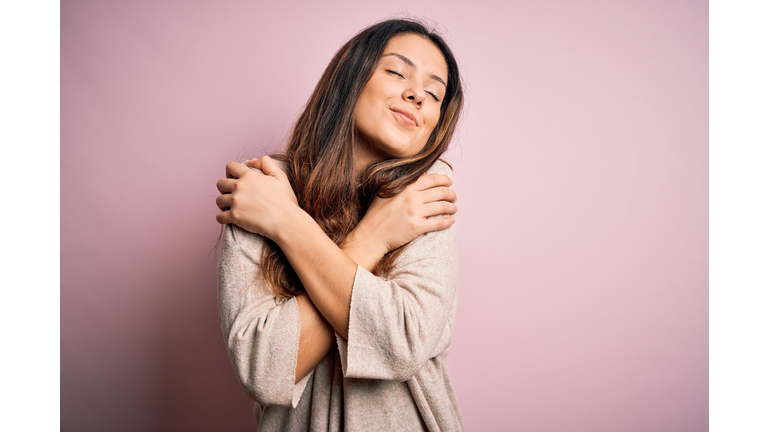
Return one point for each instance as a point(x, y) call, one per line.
point(365, 155)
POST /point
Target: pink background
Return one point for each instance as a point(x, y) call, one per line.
point(581, 166)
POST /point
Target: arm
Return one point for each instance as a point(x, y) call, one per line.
point(260, 330)
point(388, 224)
point(325, 270)
point(315, 337)
point(396, 325)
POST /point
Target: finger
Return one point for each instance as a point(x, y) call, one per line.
point(440, 193)
point(226, 185)
point(254, 163)
point(429, 181)
point(268, 166)
point(437, 224)
point(235, 170)
point(437, 208)
point(224, 202)
point(224, 217)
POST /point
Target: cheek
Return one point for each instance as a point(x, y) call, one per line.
point(374, 89)
point(432, 121)
point(368, 100)
point(358, 114)
point(362, 112)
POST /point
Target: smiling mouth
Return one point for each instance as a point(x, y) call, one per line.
point(405, 116)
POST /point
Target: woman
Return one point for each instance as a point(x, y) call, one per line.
point(339, 273)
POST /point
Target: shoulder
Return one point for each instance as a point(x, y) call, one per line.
point(440, 167)
point(239, 242)
point(280, 164)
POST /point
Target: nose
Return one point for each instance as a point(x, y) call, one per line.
point(414, 95)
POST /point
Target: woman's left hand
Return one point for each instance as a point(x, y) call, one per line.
point(393, 222)
point(259, 202)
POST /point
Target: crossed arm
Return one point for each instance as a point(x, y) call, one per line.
point(264, 203)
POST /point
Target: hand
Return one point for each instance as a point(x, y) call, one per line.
point(393, 222)
point(256, 201)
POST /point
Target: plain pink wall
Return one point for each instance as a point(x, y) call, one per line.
point(581, 167)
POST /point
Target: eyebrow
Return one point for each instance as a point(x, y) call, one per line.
point(411, 64)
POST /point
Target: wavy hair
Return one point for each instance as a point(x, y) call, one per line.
point(320, 158)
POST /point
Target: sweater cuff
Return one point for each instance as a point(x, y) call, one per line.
point(299, 387)
point(354, 351)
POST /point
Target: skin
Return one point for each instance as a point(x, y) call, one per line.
point(396, 112)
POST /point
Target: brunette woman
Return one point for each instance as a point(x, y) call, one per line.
point(339, 269)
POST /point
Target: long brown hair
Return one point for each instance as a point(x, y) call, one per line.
point(319, 157)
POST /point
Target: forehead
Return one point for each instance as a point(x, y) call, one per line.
point(421, 51)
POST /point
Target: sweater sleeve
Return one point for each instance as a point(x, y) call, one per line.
point(261, 331)
point(397, 324)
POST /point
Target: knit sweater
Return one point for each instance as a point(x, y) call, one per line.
point(391, 374)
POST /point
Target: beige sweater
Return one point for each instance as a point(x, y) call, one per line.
point(392, 372)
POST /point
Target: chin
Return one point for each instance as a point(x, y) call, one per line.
point(399, 154)
point(395, 146)
point(402, 150)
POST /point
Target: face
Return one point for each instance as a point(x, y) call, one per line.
point(400, 105)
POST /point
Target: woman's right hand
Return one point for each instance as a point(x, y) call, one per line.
point(393, 222)
point(260, 200)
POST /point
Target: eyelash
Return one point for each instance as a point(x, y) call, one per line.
point(394, 72)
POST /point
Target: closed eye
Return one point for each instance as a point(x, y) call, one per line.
point(396, 73)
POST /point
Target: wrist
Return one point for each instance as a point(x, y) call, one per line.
point(295, 225)
point(364, 248)
point(370, 241)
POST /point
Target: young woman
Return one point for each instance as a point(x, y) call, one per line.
point(339, 269)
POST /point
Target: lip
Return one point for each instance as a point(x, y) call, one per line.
point(406, 116)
